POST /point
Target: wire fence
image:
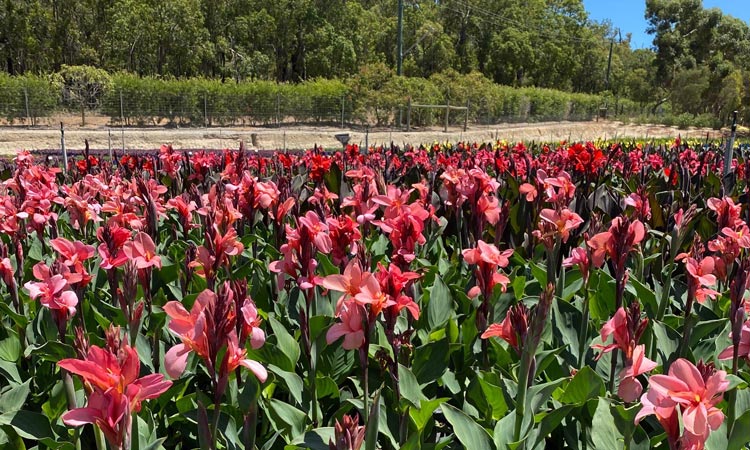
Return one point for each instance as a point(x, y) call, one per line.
point(27, 106)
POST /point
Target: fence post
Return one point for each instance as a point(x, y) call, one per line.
point(122, 110)
point(278, 107)
point(447, 114)
point(64, 150)
point(109, 143)
point(466, 117)
point(205, 110)
point(122, 122)
point(342, 112)
point(26, 99)
point(408, 114)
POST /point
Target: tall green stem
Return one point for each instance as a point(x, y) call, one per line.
point(523, 384)
point(584, 328)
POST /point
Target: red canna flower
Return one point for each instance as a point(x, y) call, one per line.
point(111, 250)
point(111, 375)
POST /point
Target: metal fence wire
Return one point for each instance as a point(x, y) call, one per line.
point(30, 106)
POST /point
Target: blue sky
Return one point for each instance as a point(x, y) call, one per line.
point(628, 15)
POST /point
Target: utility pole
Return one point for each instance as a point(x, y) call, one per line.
point(400, 50)
point(609, 60)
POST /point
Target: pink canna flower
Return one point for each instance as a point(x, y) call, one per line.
point(630, 388)
point(108, 411)
point(142, 251)
point(694, 392)
point(52, 292)
point(701, 277)
point(727, 212)
point(251, 324)
point(580, 257)
point(528, 191)
point(317, 230)
point(349, 283)
point(111, 250)
point(743, 350)
point(236, 357)
point(488, 259)
point(190, 326)
point(371, 294)
point(562, 223)
point(351, 326)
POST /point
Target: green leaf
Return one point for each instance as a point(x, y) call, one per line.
point(440, 304)
point(285, 343)
point(495, 398)
point(738, 437)
point(14, 397)
point(550, 422)
point(10, 348)
point(423, 415)
point(409, 386)
point(585, 385)
point(468, 432)
point(292, 380)
point(668, 340)
point(602, 302)
point(373, 424)
point(50, 351)
point(28, 425)
point(10, 371)
point(287, 418)
point(604, 433)
point(316, 439)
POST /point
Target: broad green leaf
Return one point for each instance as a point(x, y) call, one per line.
point(440, 304)
point(13, 399)
point(50, 351)
point(292, 380)
point(287, 418)
point(604, 432)
point(423, 415)
point(585, 385)
point(373, 424)
point(28, 424)
point(468, 432)
point(409, 386)
point(285, 343)
point(10, 348)
point(738, 438)
point(316, 439)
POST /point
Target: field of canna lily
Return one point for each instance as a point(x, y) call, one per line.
point(497, 296)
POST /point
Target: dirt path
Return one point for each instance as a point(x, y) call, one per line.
point(100, 137)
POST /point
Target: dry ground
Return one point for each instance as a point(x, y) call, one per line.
point(100, 136)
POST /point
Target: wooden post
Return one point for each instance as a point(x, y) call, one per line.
point(447, 115)
point(466, 117)
point(278, 107)
point(109, 143)
point(408, 114)
point(26, 99)
point(205, 110)
point(342, 112)
point(64, 150)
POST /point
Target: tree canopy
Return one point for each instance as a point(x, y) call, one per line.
point(699, 60)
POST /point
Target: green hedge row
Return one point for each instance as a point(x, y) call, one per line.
point(28, 97)
point(374, 97)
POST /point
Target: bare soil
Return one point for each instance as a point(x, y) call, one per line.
point(100, 136)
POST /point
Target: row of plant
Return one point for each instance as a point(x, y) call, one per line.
point(374, 97)
point(454, 296)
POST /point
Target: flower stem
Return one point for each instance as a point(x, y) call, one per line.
point(583, 330)
point(70, 394)
point(523, 384)
point(365, 381)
